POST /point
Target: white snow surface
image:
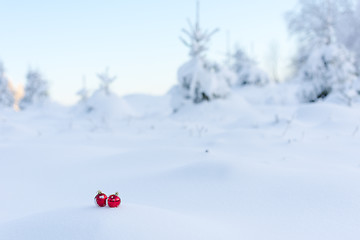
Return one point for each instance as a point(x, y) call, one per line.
point(245, 167)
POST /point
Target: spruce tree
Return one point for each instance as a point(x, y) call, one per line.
point(6, 95)
point(36, 90)
point(199, 79)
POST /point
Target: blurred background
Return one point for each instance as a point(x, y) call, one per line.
point(137, 40)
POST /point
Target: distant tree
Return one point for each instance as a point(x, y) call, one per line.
point(324, 66)
point(83, 93)
point(36, 90)
point(199, 79)
point(84, 104)
point(247, 71)
point(6, 95)
point(106, 80)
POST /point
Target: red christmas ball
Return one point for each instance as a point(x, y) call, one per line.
point(100, 199)
point(114, 200)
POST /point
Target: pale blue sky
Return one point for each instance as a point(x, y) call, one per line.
point(137, 40)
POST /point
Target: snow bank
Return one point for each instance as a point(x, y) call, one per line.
point(105, 106)
point(129, 221)
point(215, 170)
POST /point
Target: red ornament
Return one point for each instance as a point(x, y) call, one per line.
point(114, 200)
point(100, 199)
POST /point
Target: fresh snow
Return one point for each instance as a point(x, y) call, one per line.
point(245, 167)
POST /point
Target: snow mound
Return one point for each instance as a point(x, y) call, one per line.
point(105, 106)
point(272, 94)
point(126, 222)
point(148, 105)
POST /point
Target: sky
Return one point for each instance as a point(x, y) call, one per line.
point(137, 40)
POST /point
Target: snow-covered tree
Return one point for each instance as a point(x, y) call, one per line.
point(310, 21)
point(106, 80)
point(247, 71)
point(198, 39)
point(103, 105)
point(347, 29)
point(324, 66)
point(83, 93)
point(102, 97)
point(36, 90)
point(314, 22)
point(84, 104)
point(6, 95)
point(329, 69)
point(199, 79)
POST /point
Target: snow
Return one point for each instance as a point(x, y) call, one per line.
point(256, 165)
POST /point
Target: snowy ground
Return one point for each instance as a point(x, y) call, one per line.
point(230, 169)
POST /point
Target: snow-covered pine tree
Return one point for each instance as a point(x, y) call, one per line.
point(6, 95)
point(106, 80)
point(83, 93)
point(36, 90)
point(100, 99)
point(199, 79)
point(103, 104)
point(226, 68)
point(247, 71)
point(324, 65)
